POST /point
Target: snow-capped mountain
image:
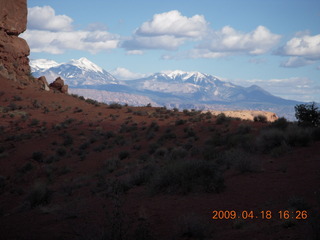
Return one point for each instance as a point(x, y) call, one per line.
point(183, 90)
point(200, 87)
point(76, 73)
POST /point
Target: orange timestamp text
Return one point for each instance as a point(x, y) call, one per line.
point(265, 214)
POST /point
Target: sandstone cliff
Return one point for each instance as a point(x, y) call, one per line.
point(247, 114)
point(14, 51)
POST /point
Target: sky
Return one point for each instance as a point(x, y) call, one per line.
point(274, 44)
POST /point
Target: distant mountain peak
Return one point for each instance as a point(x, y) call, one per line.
point(85, 64)
point(76, 72)
point(42, 64)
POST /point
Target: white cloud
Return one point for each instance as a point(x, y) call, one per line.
point(304, 46)
point(45, 18)
point(174, 24)
point(257, 60)
point(157, 42)
point(167, 31)
point(229, 41)
point(59, 42)
point(294, 62)
point(134, 52)
point(51, 33)
point(125, 74)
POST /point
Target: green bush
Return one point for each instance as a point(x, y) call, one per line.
point(39, 195)
point(115, 105)
point(298, 136)
point(143, 176)
point(222, 118)
point(270, 139)
point(260, 118)
point(188, 176)
point(308, 114)
point(38, 156)
point(280, 123)
point(123, 155)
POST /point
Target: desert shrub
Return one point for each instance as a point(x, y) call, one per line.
point(91, 101)
point(109, 134)
point(153, 147)
point(17, 98)
point(111, 164)
point(34, 122)
point(244, 128)
point(120, 140)
point(38, 156)
point(239, 159)
point(161, 152)
point(222, 118)
point(270, 139)
point(100, 148)
point(180, 122)
point(115, 105)
point(61, 152)
point(143, 176)
point(297, 136)
point(117, 186)
point(307, 114)
point(84, 145)
point(280, 123)
point(216, 140)
point(167, 135)
point(123, 155)
point(260, 118)
point(140, 113)
point(178, 153)
point(187, 176)
point(68, 140)
point(26, 168)
point(39, 195)
point(153, 126)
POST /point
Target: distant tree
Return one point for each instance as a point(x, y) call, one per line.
point(308, 114)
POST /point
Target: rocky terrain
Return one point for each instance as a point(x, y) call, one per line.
point(14, 51)
point(74, 168)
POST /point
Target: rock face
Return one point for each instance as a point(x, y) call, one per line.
point(58, 85)
point(14, 51)
point(248, 115)
point(44, 83)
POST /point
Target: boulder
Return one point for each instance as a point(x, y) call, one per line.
point(44, 83)
point(64, 89)
point(58, 85)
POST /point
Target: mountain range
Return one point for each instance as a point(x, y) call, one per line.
point(179, 89)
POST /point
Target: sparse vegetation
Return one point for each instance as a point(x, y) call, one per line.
point(188, 176)
point(260, 118)
point(39, 195)
point(308, 115)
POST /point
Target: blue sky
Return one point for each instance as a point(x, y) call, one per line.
point(274, 44)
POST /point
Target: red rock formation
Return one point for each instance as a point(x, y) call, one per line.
point(44, 83)
point(14, 51)
point(58, 85)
